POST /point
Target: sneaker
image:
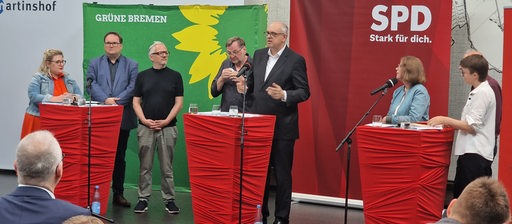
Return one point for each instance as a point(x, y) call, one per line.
point(141, 207)
point(171, 207)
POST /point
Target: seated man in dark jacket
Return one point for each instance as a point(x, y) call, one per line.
point(38, 165)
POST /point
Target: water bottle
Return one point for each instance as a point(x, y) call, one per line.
point(258, 219)
point(96, 205)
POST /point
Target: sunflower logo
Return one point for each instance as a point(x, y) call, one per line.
point(202, 38)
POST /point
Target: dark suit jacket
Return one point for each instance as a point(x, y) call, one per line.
point(33, 205)
point(289, 72)
point(124, 83)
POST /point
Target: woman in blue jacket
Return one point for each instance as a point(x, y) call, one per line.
point(411, 101)
point(49, 84)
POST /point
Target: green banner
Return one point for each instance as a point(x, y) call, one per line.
point(195, 36)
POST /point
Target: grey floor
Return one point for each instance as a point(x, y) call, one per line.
point(302, 213)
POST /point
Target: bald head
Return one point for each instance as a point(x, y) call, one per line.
point(277, 33)
point(38, 157)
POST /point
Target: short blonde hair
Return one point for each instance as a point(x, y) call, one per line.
point(47, 57)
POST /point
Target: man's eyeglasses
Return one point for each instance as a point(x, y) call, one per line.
point(272, 34)
point(112, 44)
point(234, 52)
point(161, 53)
point(61, 161)
point(59, 62)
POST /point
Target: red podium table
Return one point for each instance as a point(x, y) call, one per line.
point(403, 173)
point(69, 124)
point(213, 151)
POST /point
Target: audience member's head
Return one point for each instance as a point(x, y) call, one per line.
point(484, 200)
point(83, 219)
point(39, 160)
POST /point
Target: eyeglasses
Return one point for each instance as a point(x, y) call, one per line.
point(161, 53)
point(234, 52)
point(112, 44)
point(464, 71)
point(62, 160)
point(272, 34)
point(59, 62)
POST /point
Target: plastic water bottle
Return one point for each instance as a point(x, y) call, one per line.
point(96, 205)
point(258, 219)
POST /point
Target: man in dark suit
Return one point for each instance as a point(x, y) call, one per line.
point(113, 79)
point(39, 168)
point(277, 85)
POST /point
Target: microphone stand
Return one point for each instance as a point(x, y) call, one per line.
point(89, 127)
point(348, 140)
point(242, 145)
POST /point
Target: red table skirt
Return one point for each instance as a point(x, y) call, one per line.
point(403, 173)
point(69, 124)
point(213, 151)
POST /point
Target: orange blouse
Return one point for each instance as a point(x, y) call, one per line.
point(32, 123)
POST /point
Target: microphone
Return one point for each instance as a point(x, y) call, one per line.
point(388, 84)
point(245, 67)
point(89, 81)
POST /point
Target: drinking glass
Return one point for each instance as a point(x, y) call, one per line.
point(216, 110)
point(404, 123)
point(81, 101)
point(193, 109)
point(233, 110)
point(377, 120)
point(67, 100)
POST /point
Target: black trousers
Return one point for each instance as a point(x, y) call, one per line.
point(281, 158)
point(120, 163)
point(470, 166)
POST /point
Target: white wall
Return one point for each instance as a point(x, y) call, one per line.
point(25, 34)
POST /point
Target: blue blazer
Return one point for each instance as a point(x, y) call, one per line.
point(33, 205)
point(124, 83)
point(413, 108)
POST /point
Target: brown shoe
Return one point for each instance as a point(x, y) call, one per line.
point(120, 200)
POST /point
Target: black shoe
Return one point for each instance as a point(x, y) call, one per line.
point(141, 207)
point(171, 207)
point(119, 200)
point(279, 221)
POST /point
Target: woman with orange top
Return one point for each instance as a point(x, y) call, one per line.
point(49, 84)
